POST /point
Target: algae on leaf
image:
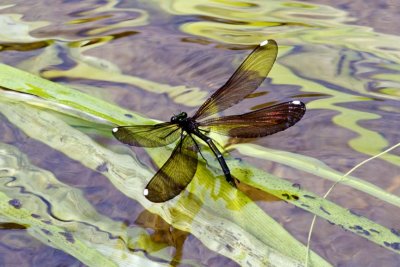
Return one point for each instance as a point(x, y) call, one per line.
point(223, 218)
point(231, 224)
point(72, 225)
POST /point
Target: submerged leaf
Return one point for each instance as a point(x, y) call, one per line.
point(231, 224)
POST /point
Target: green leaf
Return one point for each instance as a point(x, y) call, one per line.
point(217, 221)
point(73, 226)
point(223, 218)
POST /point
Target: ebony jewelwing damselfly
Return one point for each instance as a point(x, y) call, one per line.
point(179, 169)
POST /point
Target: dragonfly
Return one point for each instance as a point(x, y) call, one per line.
point(178, 171)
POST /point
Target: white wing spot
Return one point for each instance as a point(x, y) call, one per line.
point(115, 130)
point(296, 102)
point(264, 43)
point(146, 192)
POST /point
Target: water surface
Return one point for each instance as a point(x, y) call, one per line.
point(158, 59)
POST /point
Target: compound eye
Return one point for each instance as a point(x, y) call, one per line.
point(173, 119)
point(184, 115)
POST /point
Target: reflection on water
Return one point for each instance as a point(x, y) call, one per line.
point(159, 58)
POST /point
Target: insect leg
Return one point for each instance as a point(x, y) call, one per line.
point(180, 143)
point(198, 148)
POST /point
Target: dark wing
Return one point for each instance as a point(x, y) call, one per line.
point(175, 174)
point(243, 82)
point(258, 123)
point(156, 135)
